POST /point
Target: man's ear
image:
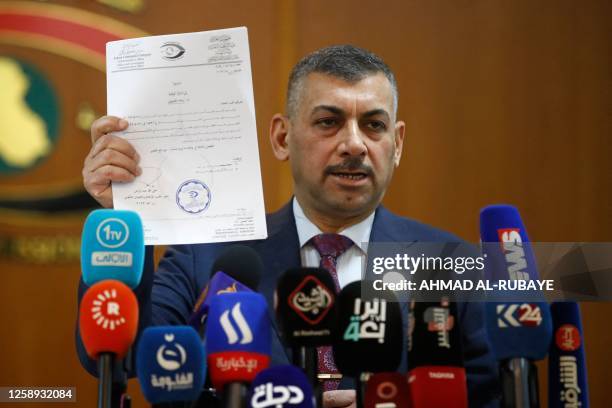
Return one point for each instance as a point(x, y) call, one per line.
point(400, 128)
point(279, 136)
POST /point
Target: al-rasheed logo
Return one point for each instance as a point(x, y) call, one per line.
point(29, 116)
point(311, 300)
point(172, 51)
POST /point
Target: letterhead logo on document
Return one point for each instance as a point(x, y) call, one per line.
point(172, 51)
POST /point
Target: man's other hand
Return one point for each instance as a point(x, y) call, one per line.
point(111, 158)
point(339, 399)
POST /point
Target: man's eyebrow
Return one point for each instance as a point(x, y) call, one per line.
point(375, 112)
point(337, 111)
point(330, 108)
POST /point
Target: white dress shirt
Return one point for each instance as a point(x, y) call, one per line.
point(351, 263)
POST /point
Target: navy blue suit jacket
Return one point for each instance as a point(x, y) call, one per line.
point(168, 296)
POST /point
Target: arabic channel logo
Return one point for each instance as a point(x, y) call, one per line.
point(311, 300)
point(171, 358)
point(172, 51)
point(106, 311)
point(29, 116)
point(246, 336)
point(270, 395)
point(370, 324)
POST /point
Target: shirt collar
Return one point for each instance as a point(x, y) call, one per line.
point(358, 233)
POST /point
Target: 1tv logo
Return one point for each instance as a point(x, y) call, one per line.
point(246, 336)
point(112, 233)
point(515, 315)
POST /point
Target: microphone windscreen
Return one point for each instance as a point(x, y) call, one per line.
point(219, 283)
point(305, 307)
point(112, 247)
point(281, 386)
point(434, 335)
point(515, 329)
point(438, 387)
point(238, 337)
point(387, 390)
point(241, 263)
point(369, 335)
point(170, 364)
point(108, 319)
point(567, 374)
point(508, 254)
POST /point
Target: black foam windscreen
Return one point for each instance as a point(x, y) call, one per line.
point(434, 335)
point(241, 263)
point(369, 335)
point(306, 307)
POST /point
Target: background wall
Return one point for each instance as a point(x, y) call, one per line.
point(504, 102)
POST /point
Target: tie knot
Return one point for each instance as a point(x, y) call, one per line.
point(331, 245)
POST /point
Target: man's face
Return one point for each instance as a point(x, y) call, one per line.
point(343, 144)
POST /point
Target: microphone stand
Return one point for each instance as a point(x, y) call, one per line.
point(307, 359)
point(105, 382)
point(517, 383)
point(360, 388)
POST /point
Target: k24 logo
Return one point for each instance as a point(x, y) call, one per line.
point(518, 315)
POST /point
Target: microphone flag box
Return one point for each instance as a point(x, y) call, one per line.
point(112, 247)
point(170, 364)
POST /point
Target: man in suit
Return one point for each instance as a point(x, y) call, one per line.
point(343, 142)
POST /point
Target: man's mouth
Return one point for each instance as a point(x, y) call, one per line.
point(350, 176)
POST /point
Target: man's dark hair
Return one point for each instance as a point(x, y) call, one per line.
point(346, 62)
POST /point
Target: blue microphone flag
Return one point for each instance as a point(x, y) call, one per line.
point(112, 247)
point(170, 364)
point(567, 374)
point(238, 322)
point(281, 386)
point(515, 329)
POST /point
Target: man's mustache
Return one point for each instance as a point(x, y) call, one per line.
point(350, 165)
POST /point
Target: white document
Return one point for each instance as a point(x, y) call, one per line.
point(189, 102)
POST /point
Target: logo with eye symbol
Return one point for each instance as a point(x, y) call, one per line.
point(172, 51)
point(193, 196)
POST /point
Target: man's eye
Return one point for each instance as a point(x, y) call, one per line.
point(377, 125)
point(327, 122)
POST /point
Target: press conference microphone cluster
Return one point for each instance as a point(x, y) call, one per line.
point(112, 257)
point(520, 332)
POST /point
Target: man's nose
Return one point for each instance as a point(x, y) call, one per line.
point(353, 140)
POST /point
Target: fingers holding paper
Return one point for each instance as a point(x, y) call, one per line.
point(111, 159)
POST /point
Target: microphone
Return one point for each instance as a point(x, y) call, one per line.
point(369, 336)
point(108, 320)
point(435, 356)
point(281, 386)
point(237, 269)
point(238, 343)
point(567, 376)
point(306, 313)
point(519, 331)
point(170, 364)
point(112, 247)
point(387, 390)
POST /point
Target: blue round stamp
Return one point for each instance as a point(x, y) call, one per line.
point(193, 196)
